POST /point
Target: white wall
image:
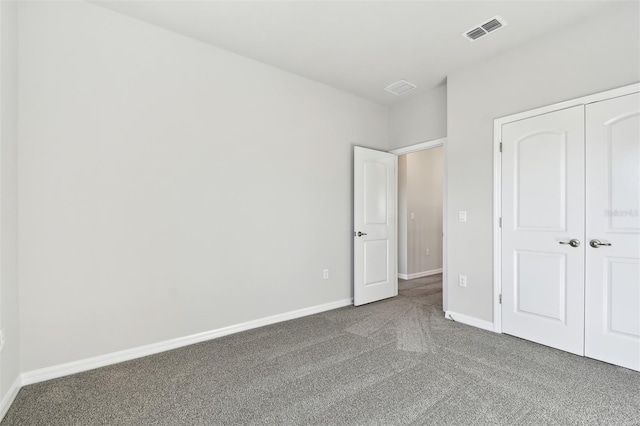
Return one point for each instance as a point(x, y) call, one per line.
point(576, 62)
point(169, 187)
point(420, 118)
point(9, 315)
point(422, 190)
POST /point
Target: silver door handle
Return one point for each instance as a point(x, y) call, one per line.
point(360, 234)
point(598, 243)
point(572, 243)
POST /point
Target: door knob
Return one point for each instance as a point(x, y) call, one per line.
point(598, 243)
point(360, 234)
point(572, 243)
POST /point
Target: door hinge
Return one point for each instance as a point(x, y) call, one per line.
point(500, 146)
point(500, 299)
point(500, 222)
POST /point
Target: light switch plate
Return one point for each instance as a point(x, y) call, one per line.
point(462, 216)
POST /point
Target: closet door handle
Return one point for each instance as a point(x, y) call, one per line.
point(598, 243)
point(572, 243)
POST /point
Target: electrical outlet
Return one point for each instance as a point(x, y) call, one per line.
point(462, 280)
point(427, 252)
point(325, 274)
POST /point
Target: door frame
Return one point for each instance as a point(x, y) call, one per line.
point(421, 146)
point(497, 179)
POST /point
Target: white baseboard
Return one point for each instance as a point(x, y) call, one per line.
point(10, 397)
point(419, 274)
point(464, 319)
point(66, 369)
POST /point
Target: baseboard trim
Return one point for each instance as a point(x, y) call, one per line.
point(10, 397)
point(465, 319)
point(68, 368)
point(420, 274)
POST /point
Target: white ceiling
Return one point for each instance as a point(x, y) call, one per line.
point(362, 46)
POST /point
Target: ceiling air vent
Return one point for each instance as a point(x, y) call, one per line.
point(482, 30)
point(493, 24)
point(476, 33)
point(400, 87)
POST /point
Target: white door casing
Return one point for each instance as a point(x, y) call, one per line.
point(374, 225)
point(542, 210)
point(612, 317)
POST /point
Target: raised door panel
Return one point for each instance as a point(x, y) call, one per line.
point(541, 285)
point(376, 258)
point(375, 193)
point(540, 175)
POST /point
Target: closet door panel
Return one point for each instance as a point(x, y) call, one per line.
point(612, 304)
point(542, 211)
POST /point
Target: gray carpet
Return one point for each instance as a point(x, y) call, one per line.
point(395, 362)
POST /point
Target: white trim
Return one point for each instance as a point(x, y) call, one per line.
point(472, 321)
point(445, 256)
point(596, 97)
point(395, 225)
point(497, 178)
point(419, 146)
point(497, 230)
point(420, 274)
point(73, 367)
point(10, 397)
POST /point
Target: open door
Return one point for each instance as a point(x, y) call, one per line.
point(374, 226)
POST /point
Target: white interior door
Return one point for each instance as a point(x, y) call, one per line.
point(542, 211)
point(612, 332)
point(374, 225)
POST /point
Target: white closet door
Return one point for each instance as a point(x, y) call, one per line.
point(612, 329)
point(542, 209)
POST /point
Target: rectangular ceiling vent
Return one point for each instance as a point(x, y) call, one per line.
point(400, 87)
point(482, 30)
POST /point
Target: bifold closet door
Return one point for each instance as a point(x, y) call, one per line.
point(543, 229)
point(612, 317)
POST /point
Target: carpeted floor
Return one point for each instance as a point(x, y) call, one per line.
point(394, 362)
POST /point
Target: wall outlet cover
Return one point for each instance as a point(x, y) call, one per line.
point(462, 280)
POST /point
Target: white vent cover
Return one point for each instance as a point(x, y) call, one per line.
point(482, 30)
point(400, 87)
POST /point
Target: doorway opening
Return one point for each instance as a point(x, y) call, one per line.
point(421, 216)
